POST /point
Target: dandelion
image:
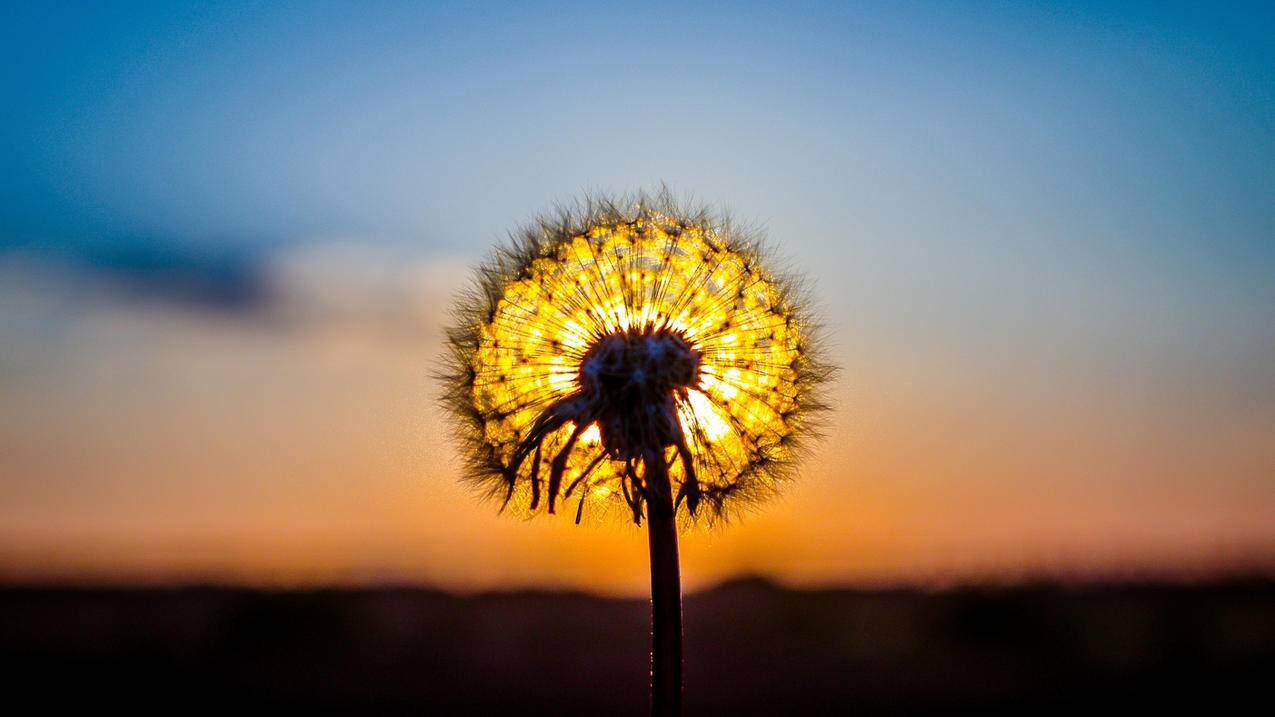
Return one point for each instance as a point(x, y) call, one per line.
point(638, 359)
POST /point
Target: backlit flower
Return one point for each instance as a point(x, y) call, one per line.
point(614, 332)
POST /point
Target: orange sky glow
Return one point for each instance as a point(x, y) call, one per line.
point(163, 445)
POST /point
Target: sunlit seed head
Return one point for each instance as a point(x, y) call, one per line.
point(620, 326)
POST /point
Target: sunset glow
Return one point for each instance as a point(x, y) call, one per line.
point(1038, 238)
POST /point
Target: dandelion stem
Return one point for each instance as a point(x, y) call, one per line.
point(666, 589)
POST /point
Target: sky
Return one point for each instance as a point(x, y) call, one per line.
point(1042, 240)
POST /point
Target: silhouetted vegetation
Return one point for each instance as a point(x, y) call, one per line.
point(752, 647)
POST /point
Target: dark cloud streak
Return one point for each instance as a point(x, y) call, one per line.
point(218, 277)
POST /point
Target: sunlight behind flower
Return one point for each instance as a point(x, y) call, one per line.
point(650, 272)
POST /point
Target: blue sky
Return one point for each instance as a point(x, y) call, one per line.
point(1041, 214)
point(251, 124)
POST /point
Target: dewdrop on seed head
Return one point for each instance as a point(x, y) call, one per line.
point(620, 330)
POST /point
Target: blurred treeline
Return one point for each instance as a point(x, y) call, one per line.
point(752, 648)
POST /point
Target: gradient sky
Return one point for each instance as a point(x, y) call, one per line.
point(1043, 239)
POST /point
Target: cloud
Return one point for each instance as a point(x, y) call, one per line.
point(347, 288)
point(361, 285)
point(212, 276)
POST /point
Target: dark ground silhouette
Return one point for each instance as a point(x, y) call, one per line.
point(751, 648)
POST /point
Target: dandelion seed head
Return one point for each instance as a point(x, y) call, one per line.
point(617, 327)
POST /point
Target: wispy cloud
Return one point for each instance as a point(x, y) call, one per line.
point(218, 277)
point(320, 285)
